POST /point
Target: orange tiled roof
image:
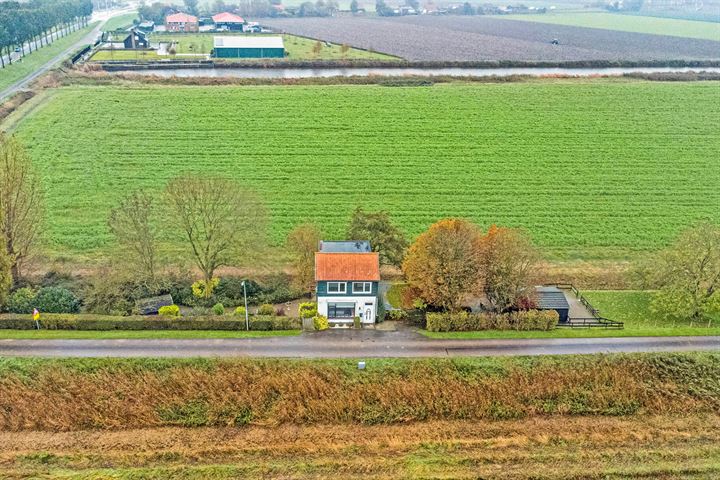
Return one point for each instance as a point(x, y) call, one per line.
point(181, 18)
point(227, 17)
point(347, 266)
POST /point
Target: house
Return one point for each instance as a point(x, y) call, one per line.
point(181, 22)
point(228, 21)
point(136, 39)
point(249, 47)
point(347, 283)
point(552, 298)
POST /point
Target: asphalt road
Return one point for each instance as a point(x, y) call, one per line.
point(349, 344)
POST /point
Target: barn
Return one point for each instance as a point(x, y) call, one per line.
point(136, 39)
point(228, 21)
point(249, 47)
point(552, 298)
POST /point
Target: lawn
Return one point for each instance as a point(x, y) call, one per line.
point(122, 54)
point(137, 334)
point(630, 307)
point(591, 168)
point(120, 22)
point(628, 23)
point(31, 62)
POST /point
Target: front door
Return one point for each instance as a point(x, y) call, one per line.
point(369, 316)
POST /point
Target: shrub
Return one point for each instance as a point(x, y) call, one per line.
point(202, 289)
point(466, 322)
point(56, 300)
point(266, 309)
point(21, 301)
point(356, 322)
point(280, 311)
point(307, 309)
point(169, 311)
point(321, 322)
point(398, 315)
point(265, 323)
point(230, 289)
point(240, 311)
point(218, 309)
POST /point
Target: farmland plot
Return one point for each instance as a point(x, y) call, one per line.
point(459, 38)
point(591, 168)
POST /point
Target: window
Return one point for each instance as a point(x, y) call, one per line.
point(362, 287)
point(337, 287)
point(341, 310)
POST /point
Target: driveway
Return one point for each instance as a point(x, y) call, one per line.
point(350, 344)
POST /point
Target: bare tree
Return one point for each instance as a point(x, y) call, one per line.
point(131, 223)
point(302, 242)
point(20, 203)
point(219, 220)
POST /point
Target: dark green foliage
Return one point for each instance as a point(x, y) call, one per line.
point(107, 322)
point(468, 322)
point(266, 309)
point(218, 309)
point(21, 301)
point(385, 237)
point(56, 300)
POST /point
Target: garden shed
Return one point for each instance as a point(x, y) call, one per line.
point(249, 47)
point(552, 298)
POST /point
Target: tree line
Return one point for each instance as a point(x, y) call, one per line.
point(31, 25)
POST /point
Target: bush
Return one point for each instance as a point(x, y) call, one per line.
point(218, 309)
point(56, 300)
point(321, 322)
point(108, 322)
point(169, 311)
point(21, 301)
point(230, 290)
point(202, 289)
point(356, 322)
point(467, 322)
point(307, 309)
point(240, 311)
point(398, 315)
point(266, 309)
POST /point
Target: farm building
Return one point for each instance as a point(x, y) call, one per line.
point(136, 39)
point(552, 298)
point(228, 21)
point(147, 26)
point(249, 47)
point(181, 22)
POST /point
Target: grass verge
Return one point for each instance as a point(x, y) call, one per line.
point(578, 333)
point(139, 334)
point(35, 60)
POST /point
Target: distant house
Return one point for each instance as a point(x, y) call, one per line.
point(347, 283)
point(181, 22)
point(147, 26)
point(552, 298)
point(136, 39)
point(228, 21)
point(249, 47)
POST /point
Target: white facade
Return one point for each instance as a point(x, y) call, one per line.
point(365, 307)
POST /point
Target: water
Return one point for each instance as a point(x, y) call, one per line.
point(400, 72)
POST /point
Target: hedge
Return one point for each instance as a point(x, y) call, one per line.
point(108, 322)
point(467, 322)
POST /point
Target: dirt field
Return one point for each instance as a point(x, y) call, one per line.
point(457, 38)
point(658, 447)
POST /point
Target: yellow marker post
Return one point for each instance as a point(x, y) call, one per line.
point(36, 317)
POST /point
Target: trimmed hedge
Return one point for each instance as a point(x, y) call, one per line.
point(108, 322)
point(468, 322)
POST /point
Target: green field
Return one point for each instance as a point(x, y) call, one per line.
point(591, 168)
point(120, 22)
point(297, 48)
point(31, 62)
point(628, 23)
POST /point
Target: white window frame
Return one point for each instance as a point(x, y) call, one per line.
point(339, 290)
point(367, 290)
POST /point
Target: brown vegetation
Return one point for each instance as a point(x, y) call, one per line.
point(549, 448)
point(120, 394)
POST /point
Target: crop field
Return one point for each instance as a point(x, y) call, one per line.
point(629, 23)
point(297, 48)
point(460, 38)
point(592, 169)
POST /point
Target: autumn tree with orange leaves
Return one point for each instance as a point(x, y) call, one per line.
point(507, 263)
point(444, 262)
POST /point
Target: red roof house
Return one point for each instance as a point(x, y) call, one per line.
point(347, 267)
point(181, 22)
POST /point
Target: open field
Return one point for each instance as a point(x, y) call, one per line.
point(552, 448)
point(297, 48)
point(461, 38)
point(613, 168)
point(628, 23)
point(31, 62)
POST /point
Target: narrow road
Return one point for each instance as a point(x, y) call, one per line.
point(350, 344)
point(89, 38)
